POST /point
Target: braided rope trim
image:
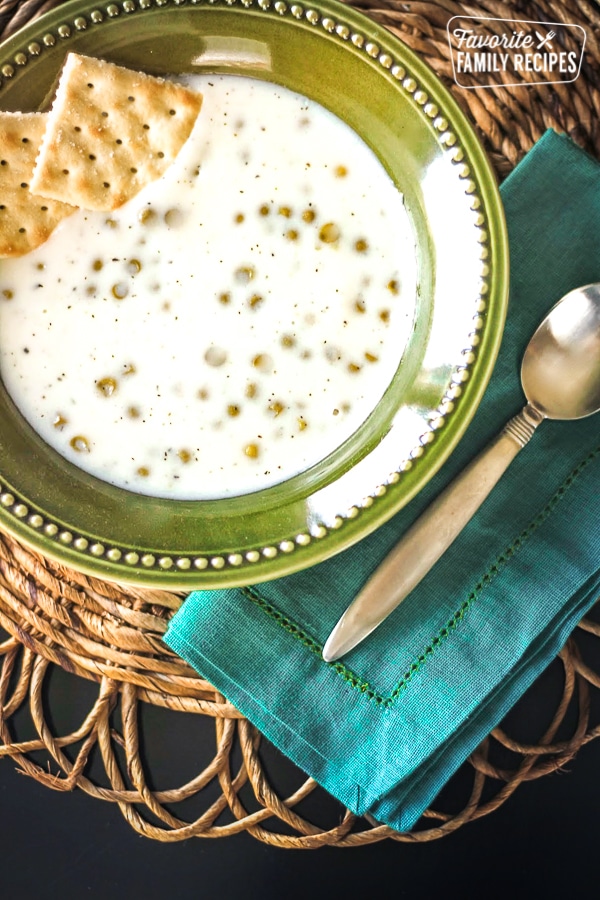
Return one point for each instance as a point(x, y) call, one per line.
point(114, 729)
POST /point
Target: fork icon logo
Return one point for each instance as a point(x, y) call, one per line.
point(543, 41)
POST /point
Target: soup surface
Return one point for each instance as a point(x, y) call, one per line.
point(231, 325)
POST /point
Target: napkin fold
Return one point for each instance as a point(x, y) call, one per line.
point(384, 728)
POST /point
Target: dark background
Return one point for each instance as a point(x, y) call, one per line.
point(542, 841)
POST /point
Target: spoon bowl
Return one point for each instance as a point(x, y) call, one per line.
point(561, 366)
point(560, 374)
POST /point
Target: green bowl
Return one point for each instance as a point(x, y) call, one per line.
point(360, 72)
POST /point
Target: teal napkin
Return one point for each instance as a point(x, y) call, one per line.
point(385, 728)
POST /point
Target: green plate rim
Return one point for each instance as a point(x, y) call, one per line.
point(456, 135)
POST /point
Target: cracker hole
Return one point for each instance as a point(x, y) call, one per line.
point(3, 162)
point(25, 140)
point(131, 99)
point(133, 170)
point(160, 154)
point(44, 208)
point(2, 206)
point(105, 184)
point(21, 231)
point(65, 171)
point(118, 141)
point(145, 126)
point(172, 112)
point(105, 114)
point(24, 184)
point(77, 128)
point(90, 85)
point(91, 156)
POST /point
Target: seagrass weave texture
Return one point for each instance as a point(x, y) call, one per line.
point(110, 636)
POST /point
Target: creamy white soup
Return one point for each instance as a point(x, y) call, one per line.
point(231, 325)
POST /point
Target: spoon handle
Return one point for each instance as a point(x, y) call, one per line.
point(430, 536)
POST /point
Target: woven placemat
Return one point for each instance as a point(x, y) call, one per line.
point(111, 636)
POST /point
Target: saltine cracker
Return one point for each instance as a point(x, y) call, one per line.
point(26, 220)
point(110, 132)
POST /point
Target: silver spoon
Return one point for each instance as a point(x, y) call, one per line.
point(560, 375)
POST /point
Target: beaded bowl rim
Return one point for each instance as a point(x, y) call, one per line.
point(293, 547)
